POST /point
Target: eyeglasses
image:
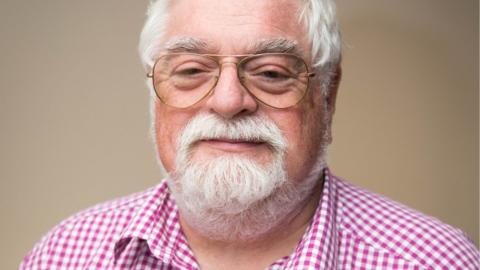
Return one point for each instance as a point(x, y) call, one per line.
point(278, 80)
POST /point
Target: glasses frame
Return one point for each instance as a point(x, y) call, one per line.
point(242, 58)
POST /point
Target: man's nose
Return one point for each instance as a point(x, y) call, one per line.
point(229, 97)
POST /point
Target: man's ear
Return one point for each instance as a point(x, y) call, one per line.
point(330, 101)
point(333, 89)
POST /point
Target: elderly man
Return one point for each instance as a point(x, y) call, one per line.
point(243, 94)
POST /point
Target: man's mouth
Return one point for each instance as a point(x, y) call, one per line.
point(231, 145)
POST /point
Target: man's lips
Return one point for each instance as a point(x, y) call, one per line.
point(230, 144)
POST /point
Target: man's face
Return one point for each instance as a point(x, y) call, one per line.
point(233, 28)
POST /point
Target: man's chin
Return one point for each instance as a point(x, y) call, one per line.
point(234, 198)
point(245, 223)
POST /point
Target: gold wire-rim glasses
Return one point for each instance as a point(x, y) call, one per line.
point(242, 59)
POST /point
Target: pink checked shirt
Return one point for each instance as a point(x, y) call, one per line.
point(351, 229)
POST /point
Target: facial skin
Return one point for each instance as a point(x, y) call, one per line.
point(231, 32)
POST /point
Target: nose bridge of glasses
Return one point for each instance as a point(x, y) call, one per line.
point(233, 61)
point(228, 60)
point(228, 64)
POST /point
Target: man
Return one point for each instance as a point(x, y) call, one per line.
point(243, 94)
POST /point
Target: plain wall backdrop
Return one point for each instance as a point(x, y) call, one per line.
point(74, 109)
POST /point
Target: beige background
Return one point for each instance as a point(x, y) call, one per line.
point(74, 119)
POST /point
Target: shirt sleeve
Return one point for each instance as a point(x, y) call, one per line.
point(44, 253)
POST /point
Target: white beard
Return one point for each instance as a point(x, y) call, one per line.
point(233, 197)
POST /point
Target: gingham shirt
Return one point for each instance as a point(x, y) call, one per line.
point(351, 229)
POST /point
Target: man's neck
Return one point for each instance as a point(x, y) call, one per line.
point(258, 253)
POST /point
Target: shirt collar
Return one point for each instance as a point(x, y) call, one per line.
point(318, 247)
point(156, 223)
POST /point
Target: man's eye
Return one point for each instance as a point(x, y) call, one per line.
point(273, 75)
point(188, 72)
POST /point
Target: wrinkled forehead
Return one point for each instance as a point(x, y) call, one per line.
point(235, 27)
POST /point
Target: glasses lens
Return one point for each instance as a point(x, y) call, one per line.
point(279, 80)
point(181, 80)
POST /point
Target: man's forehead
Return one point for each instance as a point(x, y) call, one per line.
point(262, 45)
point(238, 7)
point(221, 27)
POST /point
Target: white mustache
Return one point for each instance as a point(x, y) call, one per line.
point(250, 128)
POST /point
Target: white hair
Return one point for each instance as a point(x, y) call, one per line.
point(319, 17)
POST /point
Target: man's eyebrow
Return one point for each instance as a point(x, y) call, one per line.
point(196, 45)
point(276, 45)
point(187, 44)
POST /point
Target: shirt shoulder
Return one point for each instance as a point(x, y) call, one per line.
point(78, 240)
point(391, 227)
